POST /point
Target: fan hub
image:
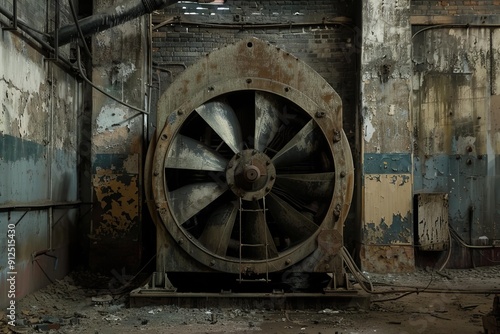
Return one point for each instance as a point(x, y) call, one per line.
point(250, 175)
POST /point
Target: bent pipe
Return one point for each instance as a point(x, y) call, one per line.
point(111, 17)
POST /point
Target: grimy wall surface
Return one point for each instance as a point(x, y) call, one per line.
point(429, 106)
point(119, 67)
point(456, 117)
point(40, 103)
point(387, 178)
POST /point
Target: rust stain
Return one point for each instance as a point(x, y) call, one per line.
point(199, 77)
point(387, 259)
point(118, 196)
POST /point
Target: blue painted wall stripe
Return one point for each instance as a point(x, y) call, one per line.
point(387, 163)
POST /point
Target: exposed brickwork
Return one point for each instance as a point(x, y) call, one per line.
point(329, 49)
point(455, 7)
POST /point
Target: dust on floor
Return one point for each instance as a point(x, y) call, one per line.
point(439, 305)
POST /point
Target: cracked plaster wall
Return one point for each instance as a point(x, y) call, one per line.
point(39, 105)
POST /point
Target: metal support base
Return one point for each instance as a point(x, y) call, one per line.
point(277, 300)
point(157, 283)
point(295, 301)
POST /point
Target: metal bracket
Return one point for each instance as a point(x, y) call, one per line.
point(14, 17)
point(167, 285)
point(333, 287)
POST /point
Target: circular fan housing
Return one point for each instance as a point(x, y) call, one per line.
point(251, 163)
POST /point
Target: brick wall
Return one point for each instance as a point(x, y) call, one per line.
point(303, 28)
point(456, 7)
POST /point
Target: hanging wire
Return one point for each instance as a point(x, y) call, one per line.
point(80, 33)
point(101, 90)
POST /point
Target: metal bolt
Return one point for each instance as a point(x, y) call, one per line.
point(268, 162)
point(268, 189)
point(212, 263)
point(336, 211)
point(288, 261)
point(164, 136)
point(181, 241)
point(156, 173)
point(336, 136)
point(180, 112)
point(343, 174)
point(320, 114)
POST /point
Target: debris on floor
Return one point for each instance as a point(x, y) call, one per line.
point(76, 304)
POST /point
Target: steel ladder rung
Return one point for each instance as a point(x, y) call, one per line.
point(266, 244)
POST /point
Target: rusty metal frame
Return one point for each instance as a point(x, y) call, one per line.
point(14, 17)
point(252, 64)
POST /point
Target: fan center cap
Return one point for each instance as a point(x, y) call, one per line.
point(250, 175)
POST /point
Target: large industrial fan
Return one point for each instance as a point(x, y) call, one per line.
point(250, 173)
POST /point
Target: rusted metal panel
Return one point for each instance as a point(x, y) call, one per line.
point(116, 191)
point(116, 214)
point(432, 224)
point(387, 258)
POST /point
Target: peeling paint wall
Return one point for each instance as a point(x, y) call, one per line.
point(38, 159)
point(386, 141)
point(455, 101)
point(120, 68)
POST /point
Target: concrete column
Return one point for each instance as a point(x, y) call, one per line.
point(119, 68)
point(386, 190)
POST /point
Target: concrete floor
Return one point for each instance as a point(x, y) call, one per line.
point(65, 307)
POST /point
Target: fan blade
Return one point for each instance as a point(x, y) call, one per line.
point(217, 232)
point(187, 201)
point(311, 186)
point(299, 147)
point(267, 119)
point(255, 231)
point(187, 153)
point(297, 225)
point(222, 119)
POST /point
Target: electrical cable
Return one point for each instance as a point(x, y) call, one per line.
point(80, 33)
point(101, 90)
point(449, 252)
point(362, 279)
point(457, 237)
